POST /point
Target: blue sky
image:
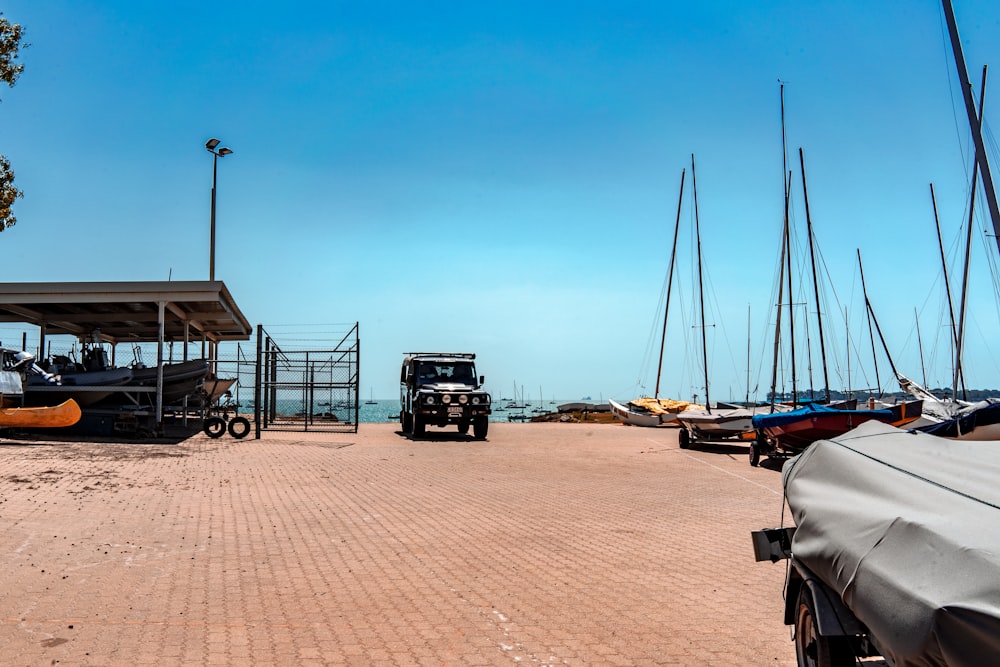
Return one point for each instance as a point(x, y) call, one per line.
point(501, 177)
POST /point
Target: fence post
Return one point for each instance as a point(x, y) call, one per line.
point(257, 385)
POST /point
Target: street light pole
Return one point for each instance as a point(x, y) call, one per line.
point(211, 146)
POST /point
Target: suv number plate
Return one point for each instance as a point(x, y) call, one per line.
point(456, 410)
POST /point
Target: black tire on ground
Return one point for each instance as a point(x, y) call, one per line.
point(406, 419)
point(813, 649)
point(239, 427)
point(754, 454)
point(480, 427)
point(684, 439)
point(418, 426)
point(214, 427)
point(463, 427)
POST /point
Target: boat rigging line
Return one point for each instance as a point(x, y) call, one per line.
point(872, 318)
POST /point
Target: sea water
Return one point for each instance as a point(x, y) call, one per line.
point(387, 410)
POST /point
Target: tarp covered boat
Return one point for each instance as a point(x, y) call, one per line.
point(794, 430)
point(899, 525)
point(979, 421)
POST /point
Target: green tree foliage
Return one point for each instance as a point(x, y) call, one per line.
point(10, 70)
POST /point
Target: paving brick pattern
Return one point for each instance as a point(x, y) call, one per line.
point(547, 544)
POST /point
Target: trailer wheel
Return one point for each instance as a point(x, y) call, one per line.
point(813, 649)
point(239, 427)
point(684, 439)
point(754, 454)
point(214, 427)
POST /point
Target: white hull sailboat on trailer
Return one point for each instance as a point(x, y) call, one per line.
point(725, 422)
point(656, 411)
point(633, 417)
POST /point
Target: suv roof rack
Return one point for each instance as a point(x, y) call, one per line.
point(457, 355)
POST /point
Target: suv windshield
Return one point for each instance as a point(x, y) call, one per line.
point(445, 371)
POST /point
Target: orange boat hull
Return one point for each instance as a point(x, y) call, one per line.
point(54, 416)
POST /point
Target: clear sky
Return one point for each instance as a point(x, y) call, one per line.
point(502, 177)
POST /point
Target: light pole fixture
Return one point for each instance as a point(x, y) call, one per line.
point(211, 146)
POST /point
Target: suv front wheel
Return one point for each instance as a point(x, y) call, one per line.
point(480, 427)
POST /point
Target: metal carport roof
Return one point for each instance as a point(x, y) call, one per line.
point(127, 311)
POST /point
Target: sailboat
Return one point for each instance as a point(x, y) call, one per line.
point(979, 421)
point(371, 397)
point(541, 401)
point(513, 404)
point(790, 432)
point(656, 411)
point(725, 422)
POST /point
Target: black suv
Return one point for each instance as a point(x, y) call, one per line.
point(441, 388)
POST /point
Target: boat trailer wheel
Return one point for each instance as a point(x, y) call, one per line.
point(215, 426)
point(239, 427)
point(684, 438)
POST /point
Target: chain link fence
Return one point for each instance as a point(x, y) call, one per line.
point(286, 377)
point(295, 380)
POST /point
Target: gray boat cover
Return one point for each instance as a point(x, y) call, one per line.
point(905, 527)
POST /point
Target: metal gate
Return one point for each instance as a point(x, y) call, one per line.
point(307, 389)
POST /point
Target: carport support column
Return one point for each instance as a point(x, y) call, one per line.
point(41, 341)
point(161, 307)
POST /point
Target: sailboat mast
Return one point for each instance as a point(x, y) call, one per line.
point(784, 144)
point(947, 288)
point(670, 282)
point(847, 337)
point(791, 299)
point(788, 246)
point(871, 333)
point(781, 263)
point(701, 286)
point(959, 371)
point(748, 355)
point(812, 258)
point(920, 346)
point(974, 120)
point(777, 324)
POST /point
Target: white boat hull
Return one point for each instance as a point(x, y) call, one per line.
point(719, 424)
point(631, 417)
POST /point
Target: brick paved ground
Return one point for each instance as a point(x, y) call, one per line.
point(547, 544)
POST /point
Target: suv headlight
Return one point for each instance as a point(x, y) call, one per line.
point(463, 399)
point(475, 400)
point(446, 399)
point(429, 400)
